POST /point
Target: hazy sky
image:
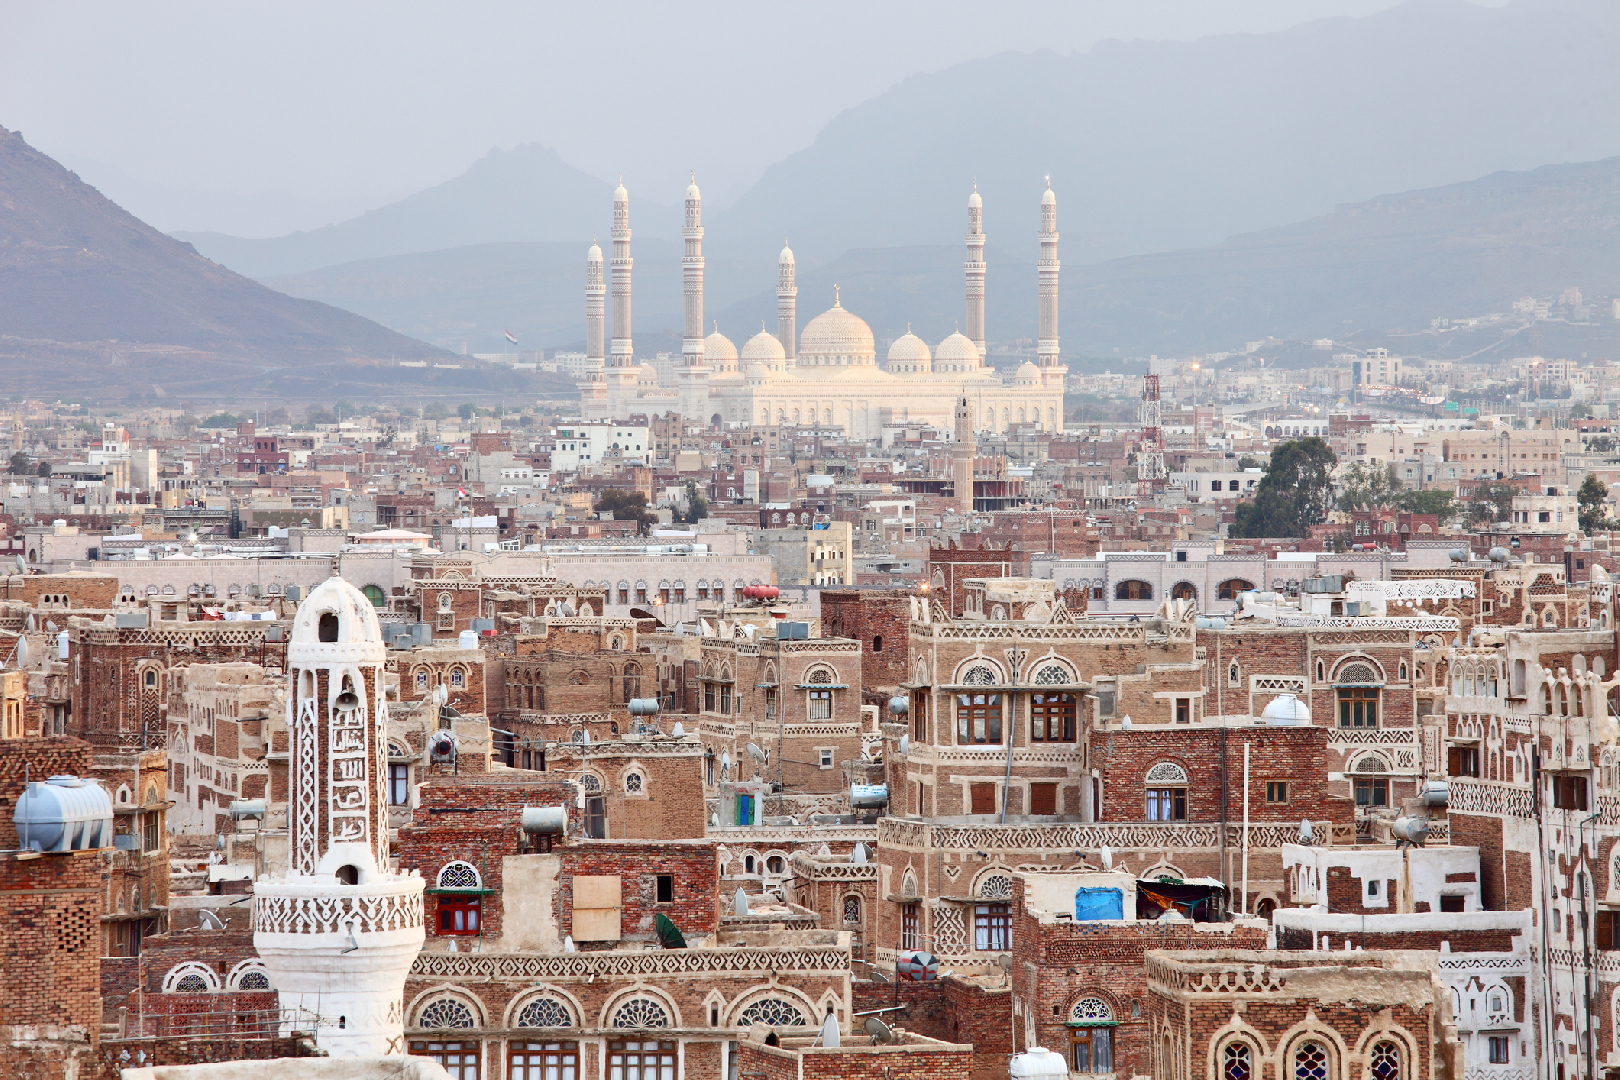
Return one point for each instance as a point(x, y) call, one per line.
point(351, 103)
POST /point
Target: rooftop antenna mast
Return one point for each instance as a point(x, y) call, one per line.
point(1150, 474)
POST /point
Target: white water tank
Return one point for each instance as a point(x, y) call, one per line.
point(467, 639)
point(1038, 1063)
point(64, 813)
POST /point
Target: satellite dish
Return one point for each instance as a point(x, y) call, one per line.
point(28, 623)
point(824, 852)
point(739, 903)
point(1004, 962)
point(568, 943)
point(725, 760)
point(678, 731)
point(1125, 722)
point(830, 1031)
point(22, 565)
point(880, 1032)
point(210, 921)
point(904, 745)
point(50, 624)
point(1307, 834)
point(22, 651)
point(858, 856)
point(714, 820)
point(757, 754)
point(1107, 855)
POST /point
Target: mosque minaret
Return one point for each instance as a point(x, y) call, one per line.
point(1046, 344)
point(623, 350)
point(975, 271)
point(828, 374)
point(594, 386)
point(787, 305)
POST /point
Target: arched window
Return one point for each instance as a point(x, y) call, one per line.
point(774, 1012)
point(852, 908)
point(995, 887)
point(191, 983)
point(1237, 1062)
point(979, 675)
point(253, 980)
point(1091, 1036)
point(591, 782)
point(459, 875)
point(191, 977)
point(1233, 676)
point(1052, 675)
point(1385, 1061)
point(1166, 796)
point(632, 782)
point(375, 594)
point(1310, 1061)
point(545, 1012)
point(1133, 590)
point(1231, 588)
point(445, 1013)
point(1184, 590)
point(640, 1012)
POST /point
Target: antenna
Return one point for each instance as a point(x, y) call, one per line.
point(882, 1034)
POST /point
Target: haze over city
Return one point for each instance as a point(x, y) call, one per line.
point(867, 542)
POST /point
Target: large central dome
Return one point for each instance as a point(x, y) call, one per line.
point(837, 338)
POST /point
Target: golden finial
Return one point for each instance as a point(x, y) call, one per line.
point(836, 302)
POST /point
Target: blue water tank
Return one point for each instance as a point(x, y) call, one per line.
point(64, 813)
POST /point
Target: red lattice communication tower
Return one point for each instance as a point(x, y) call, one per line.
point(1150, 474)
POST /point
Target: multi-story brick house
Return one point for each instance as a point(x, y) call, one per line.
point(219, 718)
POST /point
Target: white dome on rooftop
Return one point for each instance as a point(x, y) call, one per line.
point(718, 347)
point(1286, 710)
point(763, 348)
point(908, 349)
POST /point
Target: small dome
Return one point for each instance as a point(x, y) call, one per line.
point(594, 254)
point(1286, 710)
point(786, 258)
point(1028, 375)
point(718, 347)
point(351, 634)
point(958, 348)
point(763, 347)
point(646, 375)
point(1047, 198)
point(909, 349)
point(756, 371)
point(619, 194)
point(692, 189)
point(974, 202)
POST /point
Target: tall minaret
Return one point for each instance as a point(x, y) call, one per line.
point(339, 933)
point(593, 387)
point(962, 451)
point(787, 306)
point(1046, 347)
point(975, 271)
point(692, 276)
point(623, 355)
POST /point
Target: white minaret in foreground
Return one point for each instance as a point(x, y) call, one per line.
point(975, 272)
point(1046, 346)
point(692, 277)
point(787, 306)
point(623, 350)
point(338, 934)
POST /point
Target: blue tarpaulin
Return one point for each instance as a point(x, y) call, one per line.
point(1090, 904)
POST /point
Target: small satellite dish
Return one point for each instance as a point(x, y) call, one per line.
point(568, 943)
point(50, 624)
point(714, 820)
point(1307, 835)
point(904, 745)
point(725, 760)
point(209, 921)
point(1125, 722)
point(22, 565)
point(739, 903)
point(22, 652)
point(858, 856)
point(1107, 855)
point(830, 1031)
point(757, 754)
point(678, 731)
point(1004, 962)
point(28, 623)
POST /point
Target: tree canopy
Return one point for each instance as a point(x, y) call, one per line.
point(1295, 493)
point(626, 506)
point(1492, 502)
point(1592, 500)
point(1368, 485)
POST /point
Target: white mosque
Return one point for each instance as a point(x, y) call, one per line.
point(829, 374)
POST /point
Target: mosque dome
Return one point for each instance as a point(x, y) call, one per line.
point(786, 258)
point(754, 371)
point(594, 254)
point(836, 338)
point(1286, 710)
point(718, 349)
point(763, 348)
point(692, 189)
point(1047, 197)
point(1028, 375)
point(646, 375)
point(909, 355)
point(974, 202)
point(956, 353)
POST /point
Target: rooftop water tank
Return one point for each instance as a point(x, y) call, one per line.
point(544, 819)
point(644, 706)
point(868, 795)
point(467, 639)
point(64, 813)
point(1038, 1063)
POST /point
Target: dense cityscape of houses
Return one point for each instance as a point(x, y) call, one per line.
point(652, 749)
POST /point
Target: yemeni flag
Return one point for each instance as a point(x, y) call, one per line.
point(511, 337)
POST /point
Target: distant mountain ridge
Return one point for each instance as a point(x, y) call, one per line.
point(528, 194)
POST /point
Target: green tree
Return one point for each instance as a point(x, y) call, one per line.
point(1295, 493)
point(1602, 444)
point(1247, 462)
point(626, 506)
point(697, 507)
point(1592, 498)
point(1434, 501)
point(1368, 485)
point(435, 410)
point(1492, 502)
point(44, 468)
point(219, 420)
point(20, 463)
point(466, 410)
